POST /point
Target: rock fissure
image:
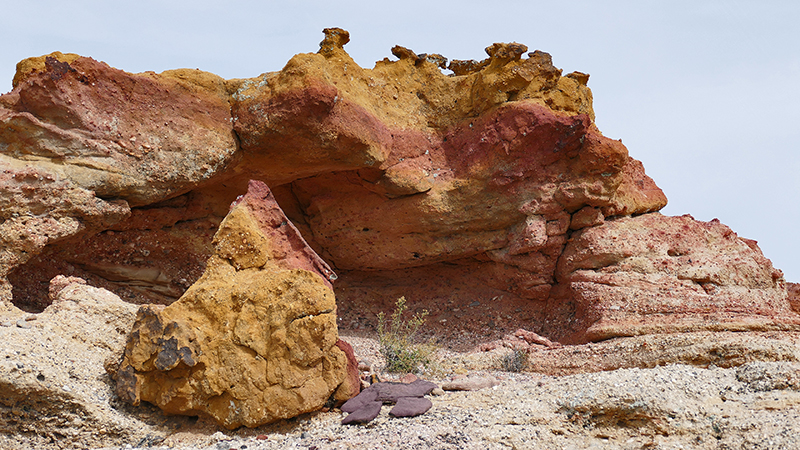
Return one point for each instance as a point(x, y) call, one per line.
point(312, 315)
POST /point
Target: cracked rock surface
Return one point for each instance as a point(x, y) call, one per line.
point(254, 340)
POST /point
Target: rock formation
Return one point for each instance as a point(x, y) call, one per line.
point(81, 143)
point(654, 274)
point(490, 185)
point(254, 340)
point(55, 392)
point(488, 188)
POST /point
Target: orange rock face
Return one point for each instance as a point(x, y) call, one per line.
point(490, 186)
point(254, 340)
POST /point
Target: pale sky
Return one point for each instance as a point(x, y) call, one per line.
point(705, 93)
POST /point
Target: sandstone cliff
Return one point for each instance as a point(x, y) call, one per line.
point(492, 182)
point(488, 196)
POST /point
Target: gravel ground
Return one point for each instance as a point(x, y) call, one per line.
point(753, 406)
point(701, 390)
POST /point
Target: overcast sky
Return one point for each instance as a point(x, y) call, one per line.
point(705, 93)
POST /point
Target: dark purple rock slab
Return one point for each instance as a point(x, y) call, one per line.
point(410, 407)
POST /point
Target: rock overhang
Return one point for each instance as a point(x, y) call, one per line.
point(485, 175)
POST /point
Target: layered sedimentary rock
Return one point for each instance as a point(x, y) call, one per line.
point(486, 185)
point(653, 274)
point(81, 143)
point(254, 340)
point(138, 138)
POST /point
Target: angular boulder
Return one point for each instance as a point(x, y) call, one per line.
point(254, 340)
point(656, 274)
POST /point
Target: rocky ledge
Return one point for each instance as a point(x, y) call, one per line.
point(487, 196)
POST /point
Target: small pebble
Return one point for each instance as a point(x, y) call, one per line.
point(7, 324)
point(305, 435)
point(408, 378)
point(22, 323)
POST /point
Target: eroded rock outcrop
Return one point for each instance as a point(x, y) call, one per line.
point(139, 138)
point(480, 185)
point(254, 340)
point(654, 274)
point(81, 143)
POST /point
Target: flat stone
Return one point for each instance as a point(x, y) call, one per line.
point(366, 396)
point(364, 414)
point(410, 407)
point(470, 384)
point(391, 392)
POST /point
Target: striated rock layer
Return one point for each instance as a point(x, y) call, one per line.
point(254, 340)
point(490, 186)
point(654, 274)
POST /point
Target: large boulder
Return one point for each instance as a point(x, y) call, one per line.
point(254, 340)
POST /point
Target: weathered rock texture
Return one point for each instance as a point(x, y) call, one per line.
point(794, 296)
point(81, 143)
point(254, 340)
point(54, 392)
point(483, 186)
point(654, 274)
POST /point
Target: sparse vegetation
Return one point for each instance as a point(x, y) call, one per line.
point(398, 340)
point(515, 361)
